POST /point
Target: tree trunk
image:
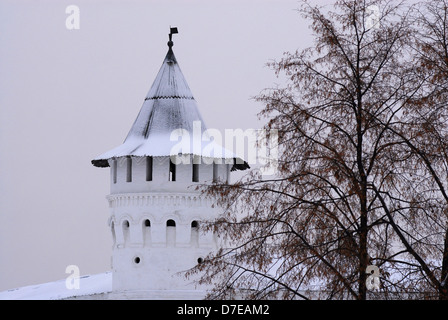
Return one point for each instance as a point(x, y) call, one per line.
point(443, 292)
point(363, 256)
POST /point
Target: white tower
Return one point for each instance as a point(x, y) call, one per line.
point(156, 212)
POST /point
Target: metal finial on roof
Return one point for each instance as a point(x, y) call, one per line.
point(173, 30)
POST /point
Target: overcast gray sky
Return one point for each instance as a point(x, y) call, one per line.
point(67, 96)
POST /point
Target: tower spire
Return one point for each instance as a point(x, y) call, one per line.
point(168, 106)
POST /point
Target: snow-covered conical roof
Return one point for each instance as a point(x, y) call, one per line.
point(169, 104)
point(168, 110)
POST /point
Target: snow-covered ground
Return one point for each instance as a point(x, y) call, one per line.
point(88, 285)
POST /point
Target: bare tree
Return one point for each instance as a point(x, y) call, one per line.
point(352, 189)
point(423, 130)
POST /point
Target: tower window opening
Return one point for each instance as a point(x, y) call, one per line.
point(194, 236)
point(137, 260)
point(170, 233)
point(114, 170)
point(172, 176)
point(195, 172)
point(126, 230)
point(128, 169)
point(200, 260)
point(195, 224)
point(215, 172)
point(112, 229)
point(148, 168)
point(146, 231)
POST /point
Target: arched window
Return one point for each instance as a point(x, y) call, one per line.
point(195, 224)
point(112, 229)
point(146, 231)
point(125, 227)
point(194, 236)
point(170, 232)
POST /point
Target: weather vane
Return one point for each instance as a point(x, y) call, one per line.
point(173, 30)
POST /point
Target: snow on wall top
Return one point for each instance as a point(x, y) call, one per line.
point(168, 106)
point(88, 285)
